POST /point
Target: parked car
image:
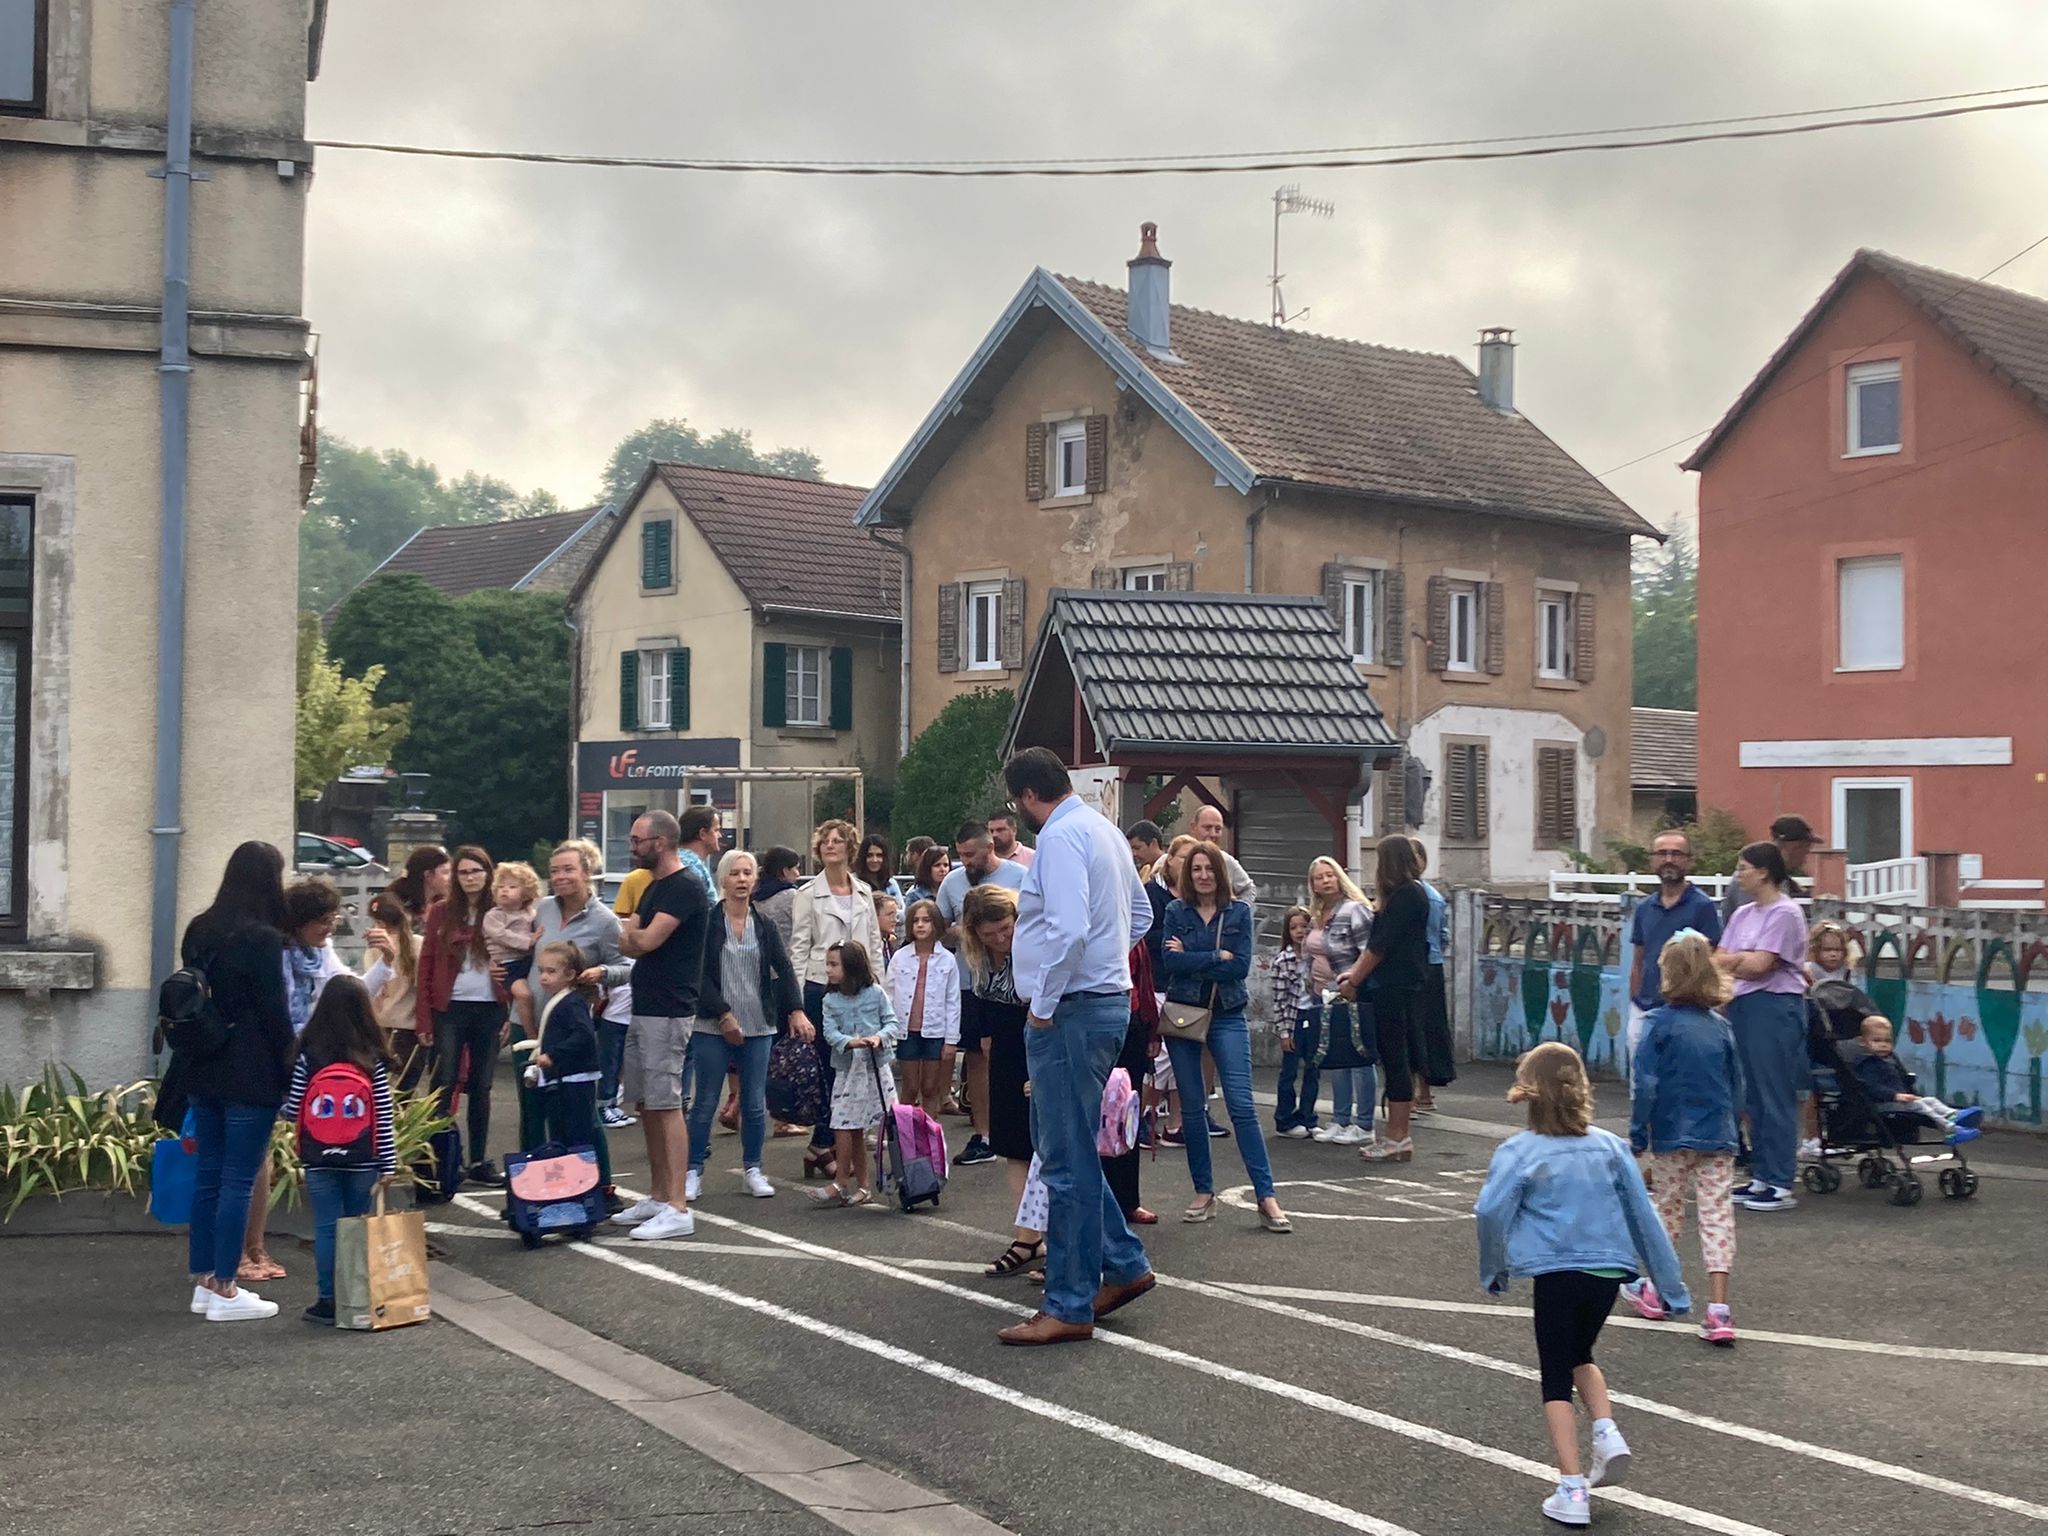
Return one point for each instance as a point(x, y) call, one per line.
point(325, 853)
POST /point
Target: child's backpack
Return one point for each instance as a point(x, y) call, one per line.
point(1117, 1132)
point(338, 1118)
point(915, 1154)
point(553, 1189)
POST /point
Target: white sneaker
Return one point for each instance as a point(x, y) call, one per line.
point(666, 1222)
point(639, 1211)
point(1809, 1150)
point(1610, 1460)
point(244, 1306)
point(200, 1297)
point(758, 1185)
point(693, 1184)
point(616, 1118)
point(1352, 1136)
point(1327, 1133)
point(1570, 1505)
point(1297, 1133)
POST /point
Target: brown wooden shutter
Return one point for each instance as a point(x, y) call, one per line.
point(1333, 592)
point(1481, 816)
point(1439, 624)
point(1098, 455)
point(1557, 797)
point(1013, 622)
point(1180, 576)
point(1105, 578)
point(1393, 615)
point(1389, 790)
point(1495, 598)
point(1457, 799)
point(1583, 648)
point(1034, 461)
point(949, 626)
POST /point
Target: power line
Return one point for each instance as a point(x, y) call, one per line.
point(1209, 167)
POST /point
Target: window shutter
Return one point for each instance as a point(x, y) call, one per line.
point(1393, 647)
point(629, 690)
point(1180, 576)
point(1105, 578)
point(1457, 817)
point(774, 683)
point(1582, 640)
point(949, 626)
point(1098, 455)
point(1496, 628)
point(1557, 797)
point(1333, 592)
point(841, 718)
point(1480, 818)
point(1439, 624)
point(657, 566)
point(1013, 622)
point(679, 689)
point(1034, 461)
point(1390, 789)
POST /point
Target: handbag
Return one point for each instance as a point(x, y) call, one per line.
point(1184, 1021)
point(796, 1082)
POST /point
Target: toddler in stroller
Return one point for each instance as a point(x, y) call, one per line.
point(1889, 1087)
point(1871, 1112)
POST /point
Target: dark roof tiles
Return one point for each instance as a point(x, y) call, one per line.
point(1665, 748)
point(461, 558)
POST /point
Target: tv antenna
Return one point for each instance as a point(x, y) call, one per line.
point(1289, 199)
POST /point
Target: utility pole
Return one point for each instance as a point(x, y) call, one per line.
point(1289, 199)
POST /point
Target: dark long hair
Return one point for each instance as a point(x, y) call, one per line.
point(857, 972)
point(343, 1028)
point(869, 844)
point(460, 917)
point(1398, 865)
point(251, 889)
point(925, 861)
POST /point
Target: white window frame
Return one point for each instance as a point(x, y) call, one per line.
point(799, 661)
point(654, 690)
point(1465, 594)
point(1559, 665)
point(1069, 435)
point(1856, 376)
point(1842, 569)
point(1839, 792)
point(1361, 616)
point(1143, 578)
point(981, 594)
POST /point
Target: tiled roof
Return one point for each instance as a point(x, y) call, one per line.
point(2006, 331)
point(1208, 671)
point(789, 543)
point(1375, 421)
point(478, 557)
point(1665, 751)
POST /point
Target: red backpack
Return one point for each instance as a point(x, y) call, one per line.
point(338, 1119)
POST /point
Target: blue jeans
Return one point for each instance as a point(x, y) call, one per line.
point(1230, 1045)
point(1349, 1087)
point(1770, 1046)
point(611, 1055)
point(234, 1139)
point(711, 1057)
point(1087, 1241)
point(1301, 1061)
point(334, 1193)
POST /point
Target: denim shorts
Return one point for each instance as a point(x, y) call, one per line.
point(922, 1048)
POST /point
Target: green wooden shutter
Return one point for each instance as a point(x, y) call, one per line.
point(841, 717)
point(657, 566)
point(679, 689)
point(629, 690)
point(774, 683)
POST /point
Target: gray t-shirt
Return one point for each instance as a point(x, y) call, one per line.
point(739, 977)
point(1008, 873)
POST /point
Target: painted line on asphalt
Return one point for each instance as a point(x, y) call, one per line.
point(679, 1245)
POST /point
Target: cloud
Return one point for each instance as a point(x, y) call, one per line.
point(520, 320)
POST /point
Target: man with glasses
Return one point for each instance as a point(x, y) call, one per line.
point(1678, 904)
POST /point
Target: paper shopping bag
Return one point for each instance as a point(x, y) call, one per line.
point(380, 1269)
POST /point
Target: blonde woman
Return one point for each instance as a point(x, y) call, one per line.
point(1340, 925)
point(834, 906)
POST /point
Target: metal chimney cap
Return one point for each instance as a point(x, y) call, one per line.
point(1148, 246)
point(1498, 334)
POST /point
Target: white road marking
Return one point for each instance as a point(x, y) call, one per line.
point(1241, 1197)
point(675, 1245)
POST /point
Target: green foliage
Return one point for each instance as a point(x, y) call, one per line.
point(340, 722)
point(57, 1136)
point(673, 438)
point(951, 771)
point(1717, 838)
point(1666, 593)
point(834, 800)
point(487, 679)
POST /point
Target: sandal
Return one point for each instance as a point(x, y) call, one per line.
point(1015, 1257)
point(1205, 1210)
point(859, 1197)
point(831, 1197)
point(1037, 1277)
point(249, 1271)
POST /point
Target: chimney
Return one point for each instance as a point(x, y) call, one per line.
point(1497, 368)
point(1149, 311)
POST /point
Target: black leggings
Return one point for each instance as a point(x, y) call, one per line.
point(471, 1026)
point(1571, 1309)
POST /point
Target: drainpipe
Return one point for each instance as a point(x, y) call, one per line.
point(174, 375)
point(1252, 520)
point(576, 721)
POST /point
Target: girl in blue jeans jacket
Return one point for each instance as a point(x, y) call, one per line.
point(1565, 1204)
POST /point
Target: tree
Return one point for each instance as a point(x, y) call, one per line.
point(340, 722)
point(675, 439)
point(1666, 604)
point(487, 679)
point(951, 772)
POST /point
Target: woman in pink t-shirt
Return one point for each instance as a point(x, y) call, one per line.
point(1764, 950)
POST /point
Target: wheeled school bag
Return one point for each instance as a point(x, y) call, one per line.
point(553, 1189)
point(916, 1148)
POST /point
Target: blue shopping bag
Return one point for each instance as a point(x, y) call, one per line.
point(173, 1163)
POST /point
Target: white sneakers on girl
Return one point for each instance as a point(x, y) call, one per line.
point(758, 1185)
point(242, 1307)
point(1570, 1505)
point(1610, 1457)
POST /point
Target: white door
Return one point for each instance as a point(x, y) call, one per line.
point(1874, 819)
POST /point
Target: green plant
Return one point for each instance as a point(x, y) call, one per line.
point(1717, 838)
point(952, 770)
point(58, 1136)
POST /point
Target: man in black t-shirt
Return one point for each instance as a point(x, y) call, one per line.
point(666, 942)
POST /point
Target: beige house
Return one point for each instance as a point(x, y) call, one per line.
point(1102, 436)
point(105, 852)
point(730, 620)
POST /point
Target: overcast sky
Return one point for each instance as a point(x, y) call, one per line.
point(519, 320)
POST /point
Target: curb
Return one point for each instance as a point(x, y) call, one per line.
point(835, 1485)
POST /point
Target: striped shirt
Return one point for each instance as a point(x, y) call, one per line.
point(382, 1106)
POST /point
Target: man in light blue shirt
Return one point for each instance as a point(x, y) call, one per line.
point(1078, 912)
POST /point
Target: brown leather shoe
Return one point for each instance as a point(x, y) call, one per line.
point(1044, 1328)
point(1110, 1297)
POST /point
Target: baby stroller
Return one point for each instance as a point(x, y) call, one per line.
point(1891, 1146)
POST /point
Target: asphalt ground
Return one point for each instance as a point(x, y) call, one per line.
point(1889, 1375)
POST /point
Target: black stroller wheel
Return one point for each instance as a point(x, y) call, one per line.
point(1907, 1189)
point(1958, 1183)
point(1821, 1178)
point(1870, 1173)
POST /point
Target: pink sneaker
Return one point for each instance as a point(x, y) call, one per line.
point(1718, 1328)
point(1644, 1298)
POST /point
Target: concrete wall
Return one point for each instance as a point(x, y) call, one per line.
point(79, 408)
point(1779, 506)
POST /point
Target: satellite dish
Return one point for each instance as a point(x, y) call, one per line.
point(1596, 743)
